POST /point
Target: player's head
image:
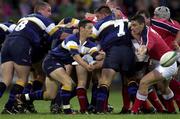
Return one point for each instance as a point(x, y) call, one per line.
point(44, 8)
point(111, 3)
point(162, 12)
point(146, 16)
point(85, 27)
point(137, 24)
point(102, 12)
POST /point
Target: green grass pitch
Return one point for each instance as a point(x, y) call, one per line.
point(115, 100)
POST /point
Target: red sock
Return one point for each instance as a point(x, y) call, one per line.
point(146, 105)
point(177, 99)
point(178, 103)
point(175, 87)
point(106, 105)
point(126, 99)
point(169, 105)
point(82, 98)
point(139, 102)
point(137, 105)
point(152, 96)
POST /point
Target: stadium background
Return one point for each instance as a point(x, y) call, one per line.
point(15, 9)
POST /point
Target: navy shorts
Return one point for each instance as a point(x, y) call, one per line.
point(120, 58)
point(50, 64)
point(17, 49)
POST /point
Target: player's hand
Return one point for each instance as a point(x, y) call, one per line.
point(61, 22)
point(100, 56)
point(75, 31)
point(176, 46)
point(90, 67)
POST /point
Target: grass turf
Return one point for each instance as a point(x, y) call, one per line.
point(115, 100)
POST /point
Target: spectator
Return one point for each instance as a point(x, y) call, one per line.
point(5, 10)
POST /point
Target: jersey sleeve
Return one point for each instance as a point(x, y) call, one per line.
point(95, 32)
point(147, 38)
point(93, 51)
point(71, 46)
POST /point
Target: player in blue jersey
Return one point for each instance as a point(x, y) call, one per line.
point(54, 66)
point(69, 26)
point(114, 38)
point(16, 51)
point(5, 29)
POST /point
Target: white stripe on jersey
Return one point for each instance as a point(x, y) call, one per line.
point(34, 20)
point(50, 27)
point(93, 49)
point(4, 27)
point(106, 24)
point(11, 27)
point(83, 49)
point(102, 27)
point(166, 25)
point(39, 23)
point(69, 44)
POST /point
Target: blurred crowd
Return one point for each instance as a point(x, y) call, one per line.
point(15, 9)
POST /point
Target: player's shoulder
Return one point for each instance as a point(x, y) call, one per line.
point(90, 43)
point(159, 19)
point(176, 23)
point(72, 37)
point(104, 21)
point(40, 17)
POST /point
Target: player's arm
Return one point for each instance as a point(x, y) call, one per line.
point(80, 61)
point(72, 46)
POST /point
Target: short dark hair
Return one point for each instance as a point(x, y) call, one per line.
point(83, 23)
point(139, 18)
point(39, 5)
point(146, 13)
point(103, 10)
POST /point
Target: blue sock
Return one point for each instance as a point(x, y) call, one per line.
point(101, 99)
point(58, 98)
point(37, 85)
point(37, 95)
point(73, 93)
point(2, 88)
point(94, 95)
point(16, 89)
point(27, 88)
point(66, 101)
point(132, 90)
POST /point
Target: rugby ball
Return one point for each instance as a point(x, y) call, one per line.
point(168, 58)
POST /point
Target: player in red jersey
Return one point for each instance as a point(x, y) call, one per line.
point(154, 46)
point(165, 26)
point(168, 28)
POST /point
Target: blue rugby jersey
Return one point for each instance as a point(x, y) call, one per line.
point(34, 26)
point(112, 32)
point(72, 46)
point(6, 28)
